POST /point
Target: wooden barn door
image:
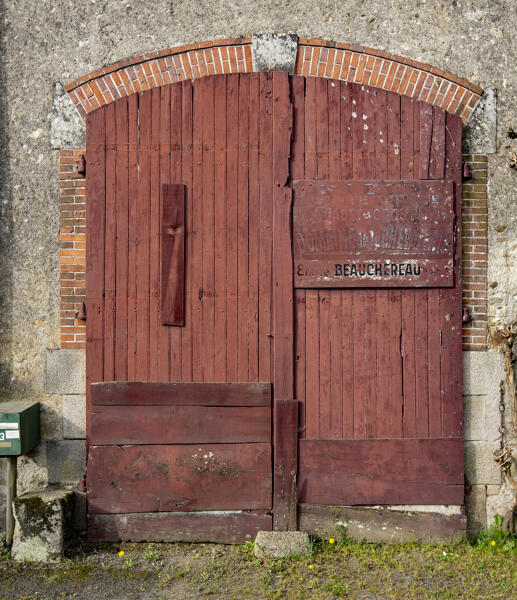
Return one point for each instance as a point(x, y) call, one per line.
point(182, 182)
point(378, 353)
point(233, 370)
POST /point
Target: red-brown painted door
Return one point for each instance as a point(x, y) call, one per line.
point(377, 369)
point(201, 161)
point(376, 372)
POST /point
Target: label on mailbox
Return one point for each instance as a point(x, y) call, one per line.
point(12, 435)
point(373, 234)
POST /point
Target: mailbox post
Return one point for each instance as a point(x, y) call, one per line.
point(19, 433)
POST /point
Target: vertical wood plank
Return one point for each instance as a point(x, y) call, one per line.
point(265, 244)
point(196, 255)
point(437, 157)
point(143, 238)
point(232, 104)
point(122, 211)
point(426, 129)
point(185, 119)
point(110, 244)
point(346, 136)
point(421, 364)
point(253, 228)
point(133, 118)
point(95, 214)
point(347, 341)
point(172, 255)
point(242, 232)
point(155, 234)
point(176, 351)
point(164, 167)
point(220, 227)
point(298, 172)
point(450, 298)
point(208, 231)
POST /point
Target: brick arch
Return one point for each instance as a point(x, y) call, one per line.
point(319, 58)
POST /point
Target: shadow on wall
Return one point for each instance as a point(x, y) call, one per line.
point(6, 223)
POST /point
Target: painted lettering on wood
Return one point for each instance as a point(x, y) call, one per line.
point(373, 234)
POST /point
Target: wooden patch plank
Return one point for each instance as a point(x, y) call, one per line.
point(180, 425)
point(95, 214)
point(124, 479)
point(285, 462)
point(128, 393)
point(402, 471)
point(122, 211)
point(226, 528)
point(172, 255)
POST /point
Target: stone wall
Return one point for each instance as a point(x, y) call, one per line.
point(47, 44)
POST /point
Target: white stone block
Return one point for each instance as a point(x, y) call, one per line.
point(482, 372)
point(74, 416)
point(66, 371)
point(480, 466)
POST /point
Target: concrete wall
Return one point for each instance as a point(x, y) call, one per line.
point(51, 42)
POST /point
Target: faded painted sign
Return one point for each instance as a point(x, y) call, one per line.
point(373, 234)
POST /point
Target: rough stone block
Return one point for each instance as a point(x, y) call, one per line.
point(74, 416)
point(79, 513)
point(493, 490)
point(274, 52)
point(480, 131)
point(480, 467)
point(282, 543)
point(66, 371)
point(475, 508)
point(498, 504)
point(43, 524)
point(67, 128)
point(481, 417)
point(482, 372)
point(66, 460)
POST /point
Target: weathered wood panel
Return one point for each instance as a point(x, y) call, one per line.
point(131, 393)
point(225, 528)
point(172, 255)
point(375, 471)
point(179, 425)
point(125, 479)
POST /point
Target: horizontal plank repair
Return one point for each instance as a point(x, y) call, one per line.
point(180, 424)
point(132, 393)
point(381, 471)
point(126, 479)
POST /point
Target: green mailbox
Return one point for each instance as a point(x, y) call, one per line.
point(19, 427)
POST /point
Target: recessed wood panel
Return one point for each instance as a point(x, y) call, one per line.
point(125, 479)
